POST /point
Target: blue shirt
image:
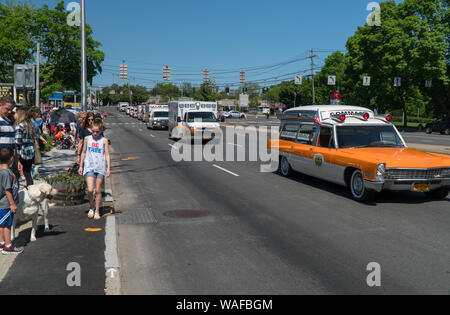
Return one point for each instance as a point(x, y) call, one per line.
point(37, 124)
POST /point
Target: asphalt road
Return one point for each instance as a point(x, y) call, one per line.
point(261, 233)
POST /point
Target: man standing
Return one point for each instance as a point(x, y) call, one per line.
point(7, 131)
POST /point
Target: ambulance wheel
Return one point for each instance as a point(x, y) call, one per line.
point(438, 194)
point(357, 188)
point(285, 168)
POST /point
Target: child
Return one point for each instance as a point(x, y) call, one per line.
point(9, 199)
point(96, 161)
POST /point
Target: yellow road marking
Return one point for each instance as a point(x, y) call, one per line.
point(93, 230)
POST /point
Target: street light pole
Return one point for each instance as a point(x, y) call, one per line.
point(83, 56)
point(38, 61)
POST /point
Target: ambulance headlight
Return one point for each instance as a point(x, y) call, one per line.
point(381, 170)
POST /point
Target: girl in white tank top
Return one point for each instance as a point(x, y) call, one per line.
point(95, 166)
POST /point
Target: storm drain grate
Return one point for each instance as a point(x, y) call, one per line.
point(136, 217)
point(186, 214)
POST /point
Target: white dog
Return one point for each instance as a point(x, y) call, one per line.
point(32, 200)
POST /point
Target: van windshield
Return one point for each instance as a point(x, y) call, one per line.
point(161, 114)
point(368, 136)
point(201, 116)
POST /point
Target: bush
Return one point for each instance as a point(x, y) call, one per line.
point(46, 147)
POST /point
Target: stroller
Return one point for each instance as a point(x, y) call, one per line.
point(64, 140)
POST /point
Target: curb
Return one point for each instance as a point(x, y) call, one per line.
point(112, 264)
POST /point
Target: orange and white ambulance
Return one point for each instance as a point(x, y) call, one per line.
point(352, 146)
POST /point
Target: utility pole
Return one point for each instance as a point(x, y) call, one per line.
point(83, 56)
point(38, 61)
point(312, 75)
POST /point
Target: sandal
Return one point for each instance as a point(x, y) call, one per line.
point(91, 214)
point(97, 216)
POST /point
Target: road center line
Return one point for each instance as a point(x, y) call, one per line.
point(225, 170)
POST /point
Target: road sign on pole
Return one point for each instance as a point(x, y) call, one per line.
point(397, 81)
point(428, 83)
point(166, 73)
point(331, 80)
point(206, 78)
point(242, 76)
point(24, 76)
point(366, 81)
point(298, 80)
point(123, 71)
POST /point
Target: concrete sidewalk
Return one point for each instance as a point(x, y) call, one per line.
point(51, 264)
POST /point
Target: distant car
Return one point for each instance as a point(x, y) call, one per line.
point(234, 114)
point(442, 126)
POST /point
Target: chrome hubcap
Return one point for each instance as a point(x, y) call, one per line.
point(357, 185)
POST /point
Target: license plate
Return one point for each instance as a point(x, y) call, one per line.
point(421, 187)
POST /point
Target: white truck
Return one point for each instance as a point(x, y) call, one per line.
point(194, 119)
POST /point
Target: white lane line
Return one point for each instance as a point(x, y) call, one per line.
point(152, 136)
point(225, 170)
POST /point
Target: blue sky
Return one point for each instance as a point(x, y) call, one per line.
point(219, 35)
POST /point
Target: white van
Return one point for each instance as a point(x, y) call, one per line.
point(191, 118)
point(159, 118)
point(123, 106)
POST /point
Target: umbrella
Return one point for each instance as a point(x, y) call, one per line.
point(64, 116)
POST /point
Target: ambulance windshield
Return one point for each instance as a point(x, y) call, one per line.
point(368, 136)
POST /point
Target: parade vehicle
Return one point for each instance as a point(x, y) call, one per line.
point(149, 108)
point(123, 106)
point(194, 119)
point(139, 112)
point(352, 146)
point(159, 118)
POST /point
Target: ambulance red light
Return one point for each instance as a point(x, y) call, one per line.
point(342, 118)
point(388, 117)
point(366, 116)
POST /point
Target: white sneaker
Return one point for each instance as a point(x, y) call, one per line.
point(91, 214)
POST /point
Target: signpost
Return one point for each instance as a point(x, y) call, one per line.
point(24, 78)
point(298, 80)
point(331, 80)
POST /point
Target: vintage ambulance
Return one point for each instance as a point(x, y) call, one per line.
point(352, 146)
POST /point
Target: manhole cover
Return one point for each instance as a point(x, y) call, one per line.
point(186, 214)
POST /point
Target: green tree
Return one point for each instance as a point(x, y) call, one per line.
point(408, 44)
point(22, 26)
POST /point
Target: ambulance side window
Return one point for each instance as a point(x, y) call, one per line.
point(306, 133)
point(289, 131)
point(325, 138)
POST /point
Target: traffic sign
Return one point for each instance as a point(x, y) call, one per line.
point(397, 81)
point(167, 73)
point(366, 81)
point(298, 80)
point(428, 83)
point(331, 80)
point(123, 71)
point(24, 76)
point(242, 76)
